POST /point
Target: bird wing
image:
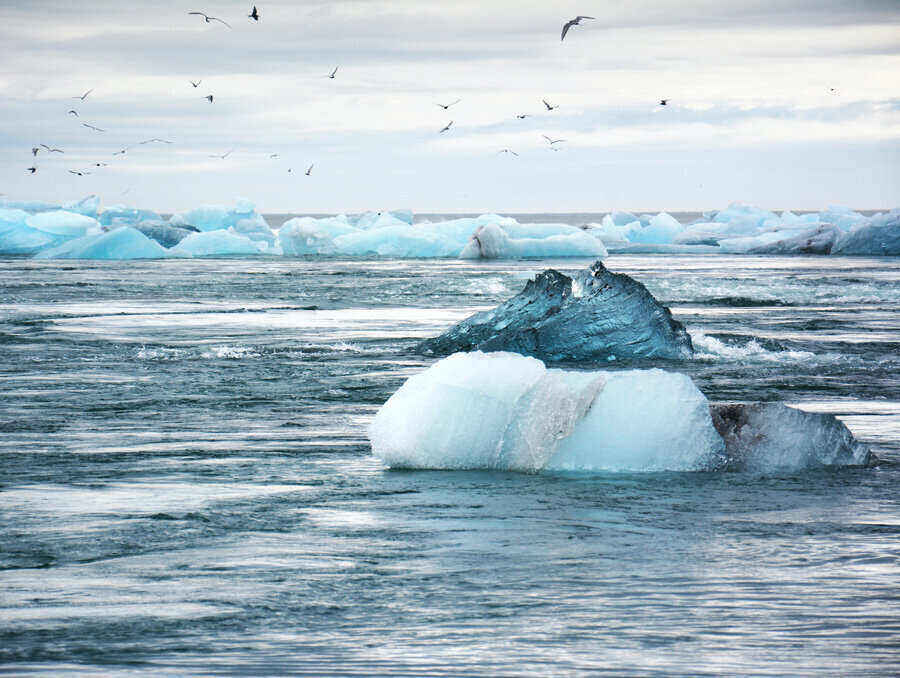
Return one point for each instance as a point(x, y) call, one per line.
point(454, 103)
point(199, 14)
point(213, 18)
point(514, 153)
point(84, 96)
point(549, 107)
point(580, 17)
point(565, 29)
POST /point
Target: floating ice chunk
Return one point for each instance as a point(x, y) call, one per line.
point(767, 437)
point(163, 233)
point(16, 237)
point(305, 235)
point(88, 206)
point(122, 243)
point(481, 411)
point(256, 228)
point(643, 420)
point(31, 206)
point(842, 217)
point(219, 217)
point(403, 215)
point(737, 210)
point(493, 241)
point(621, 218)
point(710, 233)
point(878, 236)
point(63, 223)
point(509, 412)
point(761, 241)
point(817, 240)
point(662, 229)
point(215, 243)
point(613, 234)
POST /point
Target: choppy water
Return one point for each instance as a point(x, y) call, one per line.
point(186, 486)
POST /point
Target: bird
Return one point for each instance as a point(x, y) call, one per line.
point(254, 14)
point(210, 18)
point(522, 116)
point(96, 129)
point(832, 90)
point(100, 164)
point(35, 150)
point(446, 106)
point(80, 173)
point(290, 170)
point(195, 84)
point(223, 156)
point(550, 107)
point(209, 98)
point(122, 152)
point(84, 96)
point(159, 141)
point(506, 150)
point(32, 169)
point(273, 155)
point(552, 141)
point(72, 112)
point(446, 127)
point(52, 150)
point(573, 22)
point(334, 72)
point(309, 169)
point(663, 102)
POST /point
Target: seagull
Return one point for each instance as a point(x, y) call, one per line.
point(122, 152)
point(222, 157)
point(150, 141)
point(96, 129)
point(309, 169)
point(832, 90)
point(254, 14)
point(446, 127)
point(52, 150)
point(506, 150)
point(210, 18)
point(522, 116)
point(446, 106)
point(274, 155)
point(552, 141)
point(72, 112)
point(35, 150)
point(334, 72)
point(32, 169)
point(573, 22)
point(209, 98)
point(195, 84)
point(549, 106)
point(84, 96)
point(100, 164)
point(663, 102)
point(80, 173)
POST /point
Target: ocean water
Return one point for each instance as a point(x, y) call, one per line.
point(186, 487)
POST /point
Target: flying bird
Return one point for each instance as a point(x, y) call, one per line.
point(84, 96)
point(254, 14)
point(210, 18)
point(522, 116)
point(32, 169)
point(100, 164)
point(832, 90)
point(195, 84)
point(122, 152)
point(550, 107)
point(309, 169)
point(72, 112)
point(96, 129)
point(80, 173)
point(273, 155)
point(506, 150)
point(52, 150)
point(446, 127)
point(35, 150)
point(446, 106)
point(223, 156)
point(334, 72)
point(155, 140)
point(573, 22)
point(663, 102)
point(552, 141)
point(209, 98)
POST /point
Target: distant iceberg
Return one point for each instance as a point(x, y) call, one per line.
point(124, 242)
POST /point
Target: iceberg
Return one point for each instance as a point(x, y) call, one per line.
point(215, 243)
point(661, 230)
point(218, 217)
point(305, 235)
point(124, 242)
point(818, 240)
point(89, 206)
point(63, 223)
point(162, 232)
point(16, 237)
point(593, 315)
point(878, 236)
point(509, 412)
point(493, 241)
point(30, 206)
point(120, 215)
point(766, 437)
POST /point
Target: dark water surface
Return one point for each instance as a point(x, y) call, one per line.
point(186, 487)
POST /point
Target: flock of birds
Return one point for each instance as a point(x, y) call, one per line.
point(254, 15)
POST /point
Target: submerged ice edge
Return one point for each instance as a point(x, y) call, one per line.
point(504, 411)
point(83, 230)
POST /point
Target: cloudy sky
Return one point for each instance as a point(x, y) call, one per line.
point(751, 115)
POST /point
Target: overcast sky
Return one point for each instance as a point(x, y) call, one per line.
point(750, 114)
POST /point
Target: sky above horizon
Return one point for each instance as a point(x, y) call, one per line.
point(784, 105)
